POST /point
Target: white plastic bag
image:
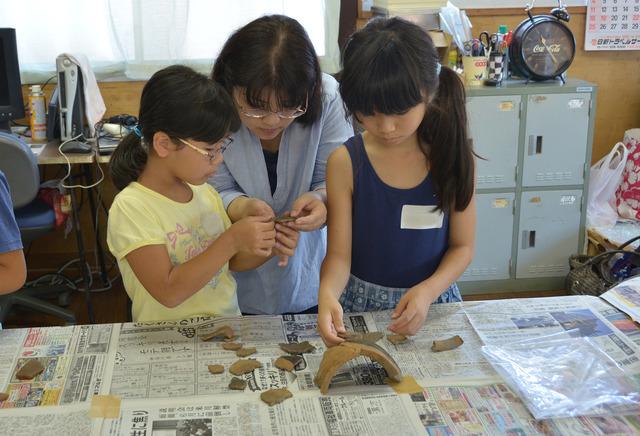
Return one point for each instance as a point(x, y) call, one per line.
point(604, 178)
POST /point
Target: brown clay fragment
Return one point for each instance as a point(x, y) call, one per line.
point(275, 396)
point(29, 370)
point(447, 344)
point(230, 339)
point(371, 337)
point(337, 356)
point(244, 352)
point(397, 339)
point(295, 359)
point(221, 332)
point(232, 346)
point(237, 384)
point(284, 219)
point(3, 396)
point(244, 366)
point(299, 348)
point(284, 364)
point(216, 369)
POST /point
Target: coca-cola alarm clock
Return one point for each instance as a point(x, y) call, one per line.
point(542, 46)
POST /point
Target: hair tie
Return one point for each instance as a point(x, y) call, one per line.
point(136, 130)
point(438, 68)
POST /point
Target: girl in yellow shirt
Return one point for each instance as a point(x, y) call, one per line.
point(168, 228)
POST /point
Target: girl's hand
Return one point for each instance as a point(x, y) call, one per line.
point(286, 242)
point(310, 212)
point(330, 320)
point(255, 235)
point(411, 312)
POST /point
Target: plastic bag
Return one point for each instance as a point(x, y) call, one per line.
point(559, 377)
point(604, 178)
point(628, 193)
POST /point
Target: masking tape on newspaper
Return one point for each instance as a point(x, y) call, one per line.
point(105, 406)
point(408, 385)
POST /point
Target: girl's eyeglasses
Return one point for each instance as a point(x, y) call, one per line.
point(223, 144)
point(285, 114)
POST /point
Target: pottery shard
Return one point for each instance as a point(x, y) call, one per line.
point(299, 348)
point(397, 339)
point(244, 352)
point(233, 346)
point(295, 359)
point(221, 332)
point(371, 337)
point(3, 396)
point(275, 396)
point(237, 384)
point(244, 366)
point(216, 369)
point(285, 364)
point(447, 344)
point(29, 370)
point(337, 356)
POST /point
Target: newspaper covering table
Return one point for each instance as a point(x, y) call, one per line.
point(159, 370)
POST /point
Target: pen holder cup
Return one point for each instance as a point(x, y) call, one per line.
point(475, 70)
point(497, 68)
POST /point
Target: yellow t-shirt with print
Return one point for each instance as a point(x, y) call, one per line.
point(140, 217)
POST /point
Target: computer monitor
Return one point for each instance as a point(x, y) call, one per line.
point(11, 102)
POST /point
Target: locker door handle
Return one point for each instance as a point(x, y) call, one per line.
point(528, 239)
point(535, 144)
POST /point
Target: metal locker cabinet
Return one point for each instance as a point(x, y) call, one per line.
point(548, 232)
point(493, 238)
point(494, 127)
point(555, 142)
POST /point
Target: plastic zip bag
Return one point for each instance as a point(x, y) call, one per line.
point(560, 377)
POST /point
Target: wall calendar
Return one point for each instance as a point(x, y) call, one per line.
point(612, 25)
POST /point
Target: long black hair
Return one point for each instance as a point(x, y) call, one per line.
point(181, 103)
point(390, 66)
point(272, 53)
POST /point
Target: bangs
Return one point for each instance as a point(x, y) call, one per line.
point(290, 91)
point(389, 84)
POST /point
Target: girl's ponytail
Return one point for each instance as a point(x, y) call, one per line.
point(446, 139)
point(127, 161)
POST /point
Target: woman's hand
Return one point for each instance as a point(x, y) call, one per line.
point(411, 312)
point(330, 320)
point(257, 207)
point(286, 242)
point(310, 211)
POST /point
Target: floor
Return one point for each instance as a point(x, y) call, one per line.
point(111, 306)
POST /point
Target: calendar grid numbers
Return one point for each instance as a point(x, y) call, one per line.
point(612, 25)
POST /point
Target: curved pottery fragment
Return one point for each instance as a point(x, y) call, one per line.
point(335, 357)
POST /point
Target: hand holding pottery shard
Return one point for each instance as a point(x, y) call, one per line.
point(337, 356)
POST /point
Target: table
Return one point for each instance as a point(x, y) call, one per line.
point(156, 376)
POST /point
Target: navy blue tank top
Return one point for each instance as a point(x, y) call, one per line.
point(381, 251)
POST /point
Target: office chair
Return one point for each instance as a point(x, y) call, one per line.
point(35, 218)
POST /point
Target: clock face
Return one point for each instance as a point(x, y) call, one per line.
point(548, 48)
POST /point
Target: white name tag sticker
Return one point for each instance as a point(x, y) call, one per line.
point(420, 217)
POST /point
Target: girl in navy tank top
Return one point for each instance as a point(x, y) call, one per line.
point(401, 209)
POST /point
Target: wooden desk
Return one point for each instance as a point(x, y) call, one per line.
point(159, 372)
point(51, 156)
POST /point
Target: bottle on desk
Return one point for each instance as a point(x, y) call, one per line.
point(38, 118)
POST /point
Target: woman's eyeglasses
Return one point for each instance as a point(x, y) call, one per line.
point(285, 114)
point(223, 144)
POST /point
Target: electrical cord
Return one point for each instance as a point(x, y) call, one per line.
point(69, 167)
